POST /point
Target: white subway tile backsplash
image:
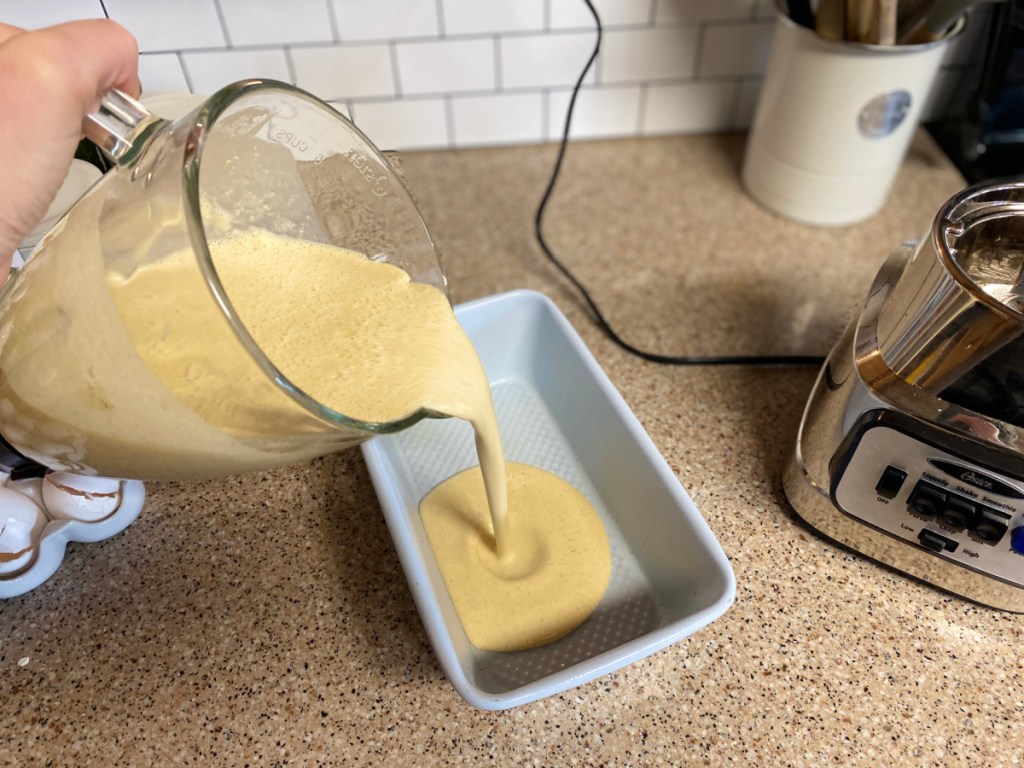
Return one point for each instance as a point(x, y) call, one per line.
point(465, 17)
point(338, 73)
point(167, 26)
point(735, 50)
point(509, 118)
point(33, 14)
point(599, 113)
point(688, 11)
point(689, 108)
point(439, 73)
point(404, 125)
point(161, 72)
point(209, 71)
point(537, 61)
point(447, 66)
point(636, 55)
point(272, 22)
point(385, 19)
point(573, 14)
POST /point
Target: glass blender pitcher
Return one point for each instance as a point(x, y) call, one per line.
point(79, 392)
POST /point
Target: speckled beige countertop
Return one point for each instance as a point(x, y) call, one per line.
point(264, 620)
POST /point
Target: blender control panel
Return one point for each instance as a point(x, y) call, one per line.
point(935, 500)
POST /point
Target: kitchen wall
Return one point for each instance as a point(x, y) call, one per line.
point(416, 74)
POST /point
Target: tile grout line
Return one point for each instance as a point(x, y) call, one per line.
point(499, 83)
point(641, 110)
point(737, 97)
point(396, 75)
point(439, 9)
point(223, 23)
point(537, 89)
point(545, 115)
point(466, 36)
point(332, 18)
point(698, 50)
point(184, 72)
point(290, 63)
point(449, 120)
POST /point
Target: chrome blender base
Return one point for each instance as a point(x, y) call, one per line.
point(911, 446)
point(812, 506)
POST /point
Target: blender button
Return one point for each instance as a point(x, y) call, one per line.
point(1017, 540)
point(991, 525)
point(936, 541)
point(890, 482)
point(927, 499)
point(958, 512)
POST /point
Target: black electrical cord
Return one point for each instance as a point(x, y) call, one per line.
point(599, 317)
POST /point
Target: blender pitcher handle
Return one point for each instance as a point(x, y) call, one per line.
point(121, 127)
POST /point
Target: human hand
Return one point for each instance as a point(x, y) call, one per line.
point(50, 79)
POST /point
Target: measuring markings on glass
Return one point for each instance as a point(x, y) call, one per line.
point(379, 183)
point(289, 139)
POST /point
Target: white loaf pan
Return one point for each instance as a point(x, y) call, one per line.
point(557, 410)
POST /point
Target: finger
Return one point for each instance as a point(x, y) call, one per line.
point(51, 79)
point(7, 31)
point(84, 59)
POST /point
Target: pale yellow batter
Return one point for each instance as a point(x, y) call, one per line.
point(557, 569)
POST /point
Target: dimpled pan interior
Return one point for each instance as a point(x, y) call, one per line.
point(557, 410)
